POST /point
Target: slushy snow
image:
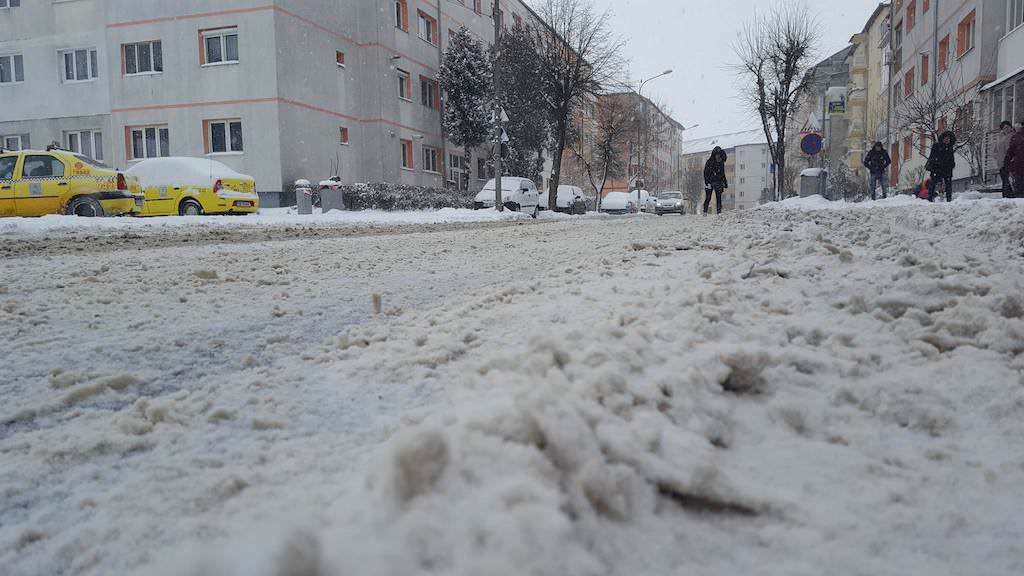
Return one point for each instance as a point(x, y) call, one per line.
point(793, 390)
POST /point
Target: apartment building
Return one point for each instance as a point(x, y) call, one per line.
point(651, 150)
point(868, 88)
point(947, 48)
point(277, 89)
point(1005, 95)
point(748, 168)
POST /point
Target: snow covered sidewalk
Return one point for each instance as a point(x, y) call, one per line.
point(780, 392)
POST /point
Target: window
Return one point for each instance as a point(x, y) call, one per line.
point(924, 69)
point(925, 6)
point(427, 27)
point(7, 167)
point(14, 142)
point(80, 65)
point(965, 35)
point(1015, 13)
point(923, 143)
point(404, 85)
point(743, 180)
point(42, 167)
point(908, 83)
point(430, 93)
point(481, 169)
point(911, 14)
point(12, 69)
point(743, 166)
point(148, 142)
point(942, 125)
point(220, 46)
point(343, 136)
point(402, 14)
point(477, 6)
point(908, 147)
point(10, 3)
point(223, 136)
point(430, 159)
point(943, 56)
point(143, 58)
point(407, 154)
point(339, 57)
point(517, 20)
point(86, 142)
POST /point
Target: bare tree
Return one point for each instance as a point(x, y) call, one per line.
point(776, 49)
point(579, 54)
point(693, 184)
point(614, 123)
point(944, 105)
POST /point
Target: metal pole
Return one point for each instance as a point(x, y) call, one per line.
point(440, 103)
point(497, 108)
point(888, 90)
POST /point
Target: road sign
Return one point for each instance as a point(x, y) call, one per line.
point(811, 144)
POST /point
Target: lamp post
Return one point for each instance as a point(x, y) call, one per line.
point(639, 157)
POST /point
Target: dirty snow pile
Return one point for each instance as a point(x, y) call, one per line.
point(787, 391)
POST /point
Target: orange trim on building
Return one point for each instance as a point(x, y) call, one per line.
point(194, 16)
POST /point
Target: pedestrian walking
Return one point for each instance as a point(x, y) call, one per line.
point(941, 163)
point(1015, 162)
point(999, 150)
point(878, 162)
point(715, 181)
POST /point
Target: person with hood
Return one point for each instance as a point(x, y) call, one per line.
point(877, 162)
point(1015, 161)
point(940, 165)
point(999, 151)
point(714, 179)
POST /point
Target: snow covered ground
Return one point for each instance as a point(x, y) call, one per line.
point(787, 391)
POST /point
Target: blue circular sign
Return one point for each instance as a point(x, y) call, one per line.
point(811, 144)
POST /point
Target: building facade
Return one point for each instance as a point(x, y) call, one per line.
point(279, 90)
point(748, 168)
point(1004, 96)
point(651, 150)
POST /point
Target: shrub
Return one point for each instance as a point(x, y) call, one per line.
point(384, 196)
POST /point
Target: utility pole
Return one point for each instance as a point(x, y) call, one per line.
point(440, 102)
point(888, 89)
point(498, 128)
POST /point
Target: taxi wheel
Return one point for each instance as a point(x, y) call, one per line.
point(85, 206)
point(190, 208)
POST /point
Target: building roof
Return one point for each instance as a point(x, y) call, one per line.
point(725, 141)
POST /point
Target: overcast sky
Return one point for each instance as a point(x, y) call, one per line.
point(694, 38)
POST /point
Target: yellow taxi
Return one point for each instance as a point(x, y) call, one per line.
point(55, 181)
point(193, 187)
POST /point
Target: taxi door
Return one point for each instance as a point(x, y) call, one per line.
point(7, 166)
point(42, 186)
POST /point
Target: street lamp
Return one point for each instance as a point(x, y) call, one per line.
point(639, 158)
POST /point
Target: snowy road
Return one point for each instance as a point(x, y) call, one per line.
point(778, 392)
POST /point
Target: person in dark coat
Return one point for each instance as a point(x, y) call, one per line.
point(714, 178)
point(877, 162)
point(1015, 161)
point(940, 165)
point(999, 151)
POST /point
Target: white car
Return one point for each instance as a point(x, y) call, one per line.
point(670, 203)
point(647, 202)
point(570, 200)
point(517, 194)
point(619, 203)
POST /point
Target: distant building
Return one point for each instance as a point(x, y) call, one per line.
point(655, 160)
point(748, 169)
point(1005, 94)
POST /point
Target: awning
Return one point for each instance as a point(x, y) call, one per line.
point(1002, 80)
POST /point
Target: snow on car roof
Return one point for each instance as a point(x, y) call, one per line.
point(178, 171)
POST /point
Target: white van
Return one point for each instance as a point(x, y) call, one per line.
point(517, 194)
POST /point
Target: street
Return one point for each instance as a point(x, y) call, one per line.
point(774, 392)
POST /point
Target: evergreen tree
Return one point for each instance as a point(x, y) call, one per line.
point(466, 80)
point(529, 126)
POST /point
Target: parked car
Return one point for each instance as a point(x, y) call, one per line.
point(670, 203)
point(517, 194)
point(194, 186)
point(619, 203)
point(55, 181)
point(648, 202)
point(571, 200)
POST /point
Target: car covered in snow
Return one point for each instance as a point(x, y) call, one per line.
point(570, 200)
point(194, 186)
point(517, 194)
point(55, 181)
point(619, 203)
point(670, 203)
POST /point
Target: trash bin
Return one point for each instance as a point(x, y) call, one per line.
point(813, 181)
point(331, 195)
point(304, 196)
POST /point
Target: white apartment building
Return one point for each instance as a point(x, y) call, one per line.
point(278, 89)
point(748, 168)
point(1005, 95)
point(954, 42)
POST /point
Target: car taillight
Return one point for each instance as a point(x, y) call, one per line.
point(122, 184)
point(217, 187)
